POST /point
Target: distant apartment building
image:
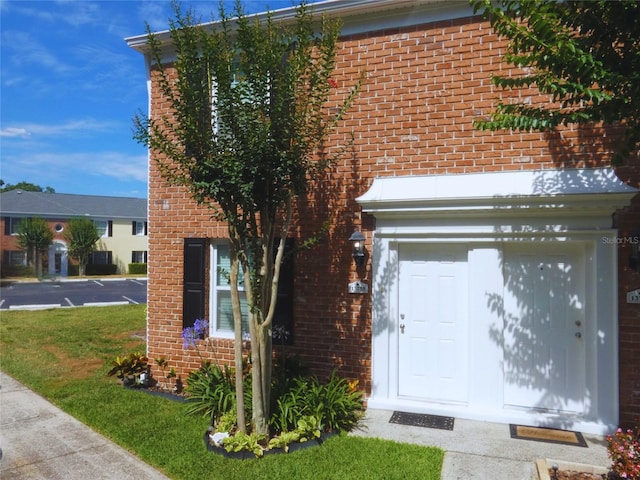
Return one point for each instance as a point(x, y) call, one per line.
point(121, 221)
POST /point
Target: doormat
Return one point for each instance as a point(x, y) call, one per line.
point(550, 435)
point(422, 420)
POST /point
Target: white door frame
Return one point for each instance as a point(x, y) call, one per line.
point(485, 211)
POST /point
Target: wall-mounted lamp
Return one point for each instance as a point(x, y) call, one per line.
point(357, 241)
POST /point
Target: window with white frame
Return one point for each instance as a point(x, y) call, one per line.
point(15, 257)
point(11, 225)
point(103, 227)
point(220, 308)
point(139, 228)
point(221, 312)
point(139, 256)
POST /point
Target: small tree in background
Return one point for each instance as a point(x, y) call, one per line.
point(81, 235)
point(249, 118)
point(34, 237)
point(584, 54)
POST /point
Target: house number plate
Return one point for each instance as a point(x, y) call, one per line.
point(633, 297)
point(358, 287)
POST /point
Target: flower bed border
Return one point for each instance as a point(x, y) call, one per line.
point(246, 455)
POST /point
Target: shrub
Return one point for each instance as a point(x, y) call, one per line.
point(211, 391)
point(132, 369)
point(337, 404)
point(623, 449)
point(137, 269)
point(101, 269)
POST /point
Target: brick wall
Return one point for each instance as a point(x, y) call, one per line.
point(425, 86)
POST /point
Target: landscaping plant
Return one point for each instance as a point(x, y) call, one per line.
point(623, 448)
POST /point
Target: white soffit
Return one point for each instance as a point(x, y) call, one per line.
point(537, 192)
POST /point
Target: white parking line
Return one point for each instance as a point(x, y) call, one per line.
point(1, 302)
point(34, 307)
point(69, 302)
point(139, 283)
point(95, 281)
point(103, 304)
point(130, 300)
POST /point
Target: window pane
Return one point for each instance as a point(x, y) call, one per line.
point(224, 312)
point(101, 226)
point(224, 268)
point(139, 228)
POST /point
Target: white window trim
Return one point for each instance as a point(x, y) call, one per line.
point(214, 289)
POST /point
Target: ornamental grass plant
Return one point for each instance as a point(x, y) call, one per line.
point(65, 354)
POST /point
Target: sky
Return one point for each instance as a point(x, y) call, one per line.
point(70, 86)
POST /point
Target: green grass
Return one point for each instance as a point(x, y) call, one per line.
point(63, 354)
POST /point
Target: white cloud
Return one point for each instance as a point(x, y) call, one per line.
point(79, 165)
point(14, 132)
point(74, 127)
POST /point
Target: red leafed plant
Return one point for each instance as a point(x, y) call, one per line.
point(623, 448)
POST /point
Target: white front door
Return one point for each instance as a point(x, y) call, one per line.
point(544, 329)
point(432, 325)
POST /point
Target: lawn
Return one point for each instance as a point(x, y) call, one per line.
point(63, 354)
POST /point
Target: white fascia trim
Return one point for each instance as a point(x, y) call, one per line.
point(586, 192)
point(358, 16)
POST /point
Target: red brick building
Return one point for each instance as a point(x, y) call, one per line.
point(498, 264)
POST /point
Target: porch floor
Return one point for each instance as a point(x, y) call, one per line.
point(482, 450)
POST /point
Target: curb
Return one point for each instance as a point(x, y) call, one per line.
point(544, 464)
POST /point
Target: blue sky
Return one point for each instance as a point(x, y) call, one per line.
point(70, 86)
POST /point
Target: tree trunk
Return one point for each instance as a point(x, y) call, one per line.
point(237, 342)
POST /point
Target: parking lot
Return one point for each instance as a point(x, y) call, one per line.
point(72, 293)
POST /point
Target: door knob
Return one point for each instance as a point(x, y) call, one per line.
point(578, 335)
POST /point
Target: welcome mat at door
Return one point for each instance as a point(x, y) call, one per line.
point(421, 420)
point(550, 435)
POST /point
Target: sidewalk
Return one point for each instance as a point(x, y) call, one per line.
point(40, 441)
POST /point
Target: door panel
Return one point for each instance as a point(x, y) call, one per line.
point(433, 323)
point(544, 344)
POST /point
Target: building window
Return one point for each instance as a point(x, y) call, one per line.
point(104, 227)
point(139, 228)
point(15, 257)
point(139, 257)
point(11, 225)
point(221, 313)
point(101, 258)
point(221, 308)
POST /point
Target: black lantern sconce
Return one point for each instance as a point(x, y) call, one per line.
point(357, 242)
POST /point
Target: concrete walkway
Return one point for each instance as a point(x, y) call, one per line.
point(40, 441)
point(485, 451)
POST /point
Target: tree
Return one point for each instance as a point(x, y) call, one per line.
point(250, 117)
point(34, 237)
point(26, 186)
point(584, 54)
point(81, 235)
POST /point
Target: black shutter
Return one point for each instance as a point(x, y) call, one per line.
point(146, 228)
point(7, 225)
point(110, 228)
point(133, 228)
point(194, 280)
point(283, 317)
point(146, 257)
